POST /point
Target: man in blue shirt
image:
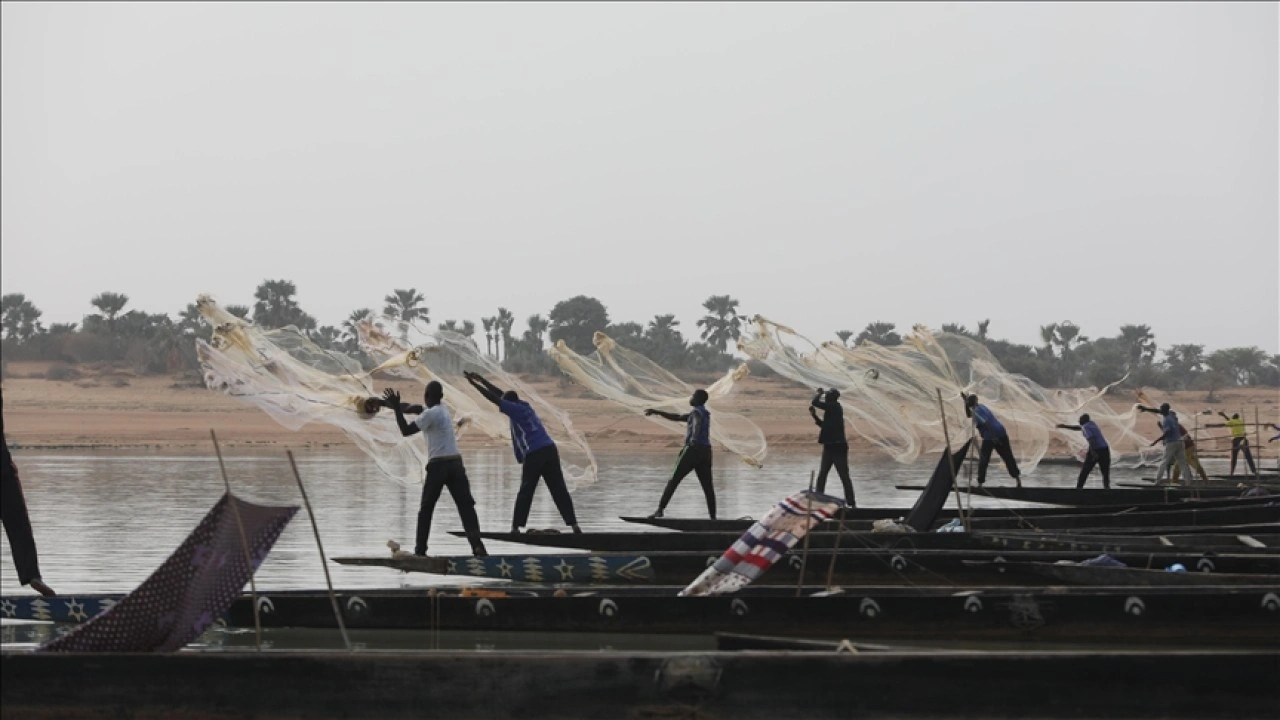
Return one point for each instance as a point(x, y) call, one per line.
point(994, 437)
point(1099, 452)
point(535, 451)
point(696, 454)
point(444, 464)
point(835, 446)
point(1174, 449)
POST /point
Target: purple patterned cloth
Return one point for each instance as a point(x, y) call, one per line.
point(190, 590)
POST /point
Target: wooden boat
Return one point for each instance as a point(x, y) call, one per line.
point(402, 685)
point(596, 568)
point(1100, 575)
point(1092, 496)
point(874, 513)
point(1107, 538)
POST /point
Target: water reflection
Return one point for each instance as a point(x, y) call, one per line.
point(104, 521)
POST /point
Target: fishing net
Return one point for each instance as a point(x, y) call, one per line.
point(422, 355)
point(890, 393)
point(635, 382)
point(296, 382)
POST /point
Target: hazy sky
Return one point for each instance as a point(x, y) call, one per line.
point(827, 164)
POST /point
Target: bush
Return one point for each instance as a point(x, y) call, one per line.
point(61, 371)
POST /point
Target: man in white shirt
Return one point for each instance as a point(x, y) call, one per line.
point(444, 464)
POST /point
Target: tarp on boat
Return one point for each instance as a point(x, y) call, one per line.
point(764, 543)
point(190, 590)
point(930, 502)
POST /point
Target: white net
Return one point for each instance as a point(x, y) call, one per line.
point(287, 376)
point(444, 356)
point(635, 382)
point(890, 393)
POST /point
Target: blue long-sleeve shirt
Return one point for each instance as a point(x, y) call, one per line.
point(527, 432)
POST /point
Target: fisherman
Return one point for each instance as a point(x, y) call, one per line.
point(695, 455)
point(1189, 446)
point(1099, 452)
point(1174, 449)
point(835, 446)
point(1239, 441)
point(444, 464)
point(17, 524)
point(994, 437)
point(534, 450)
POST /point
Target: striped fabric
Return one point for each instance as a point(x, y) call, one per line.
point(764, 543)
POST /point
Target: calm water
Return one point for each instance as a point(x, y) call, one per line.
point(104, 521)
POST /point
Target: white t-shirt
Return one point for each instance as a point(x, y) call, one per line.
point(437, 428)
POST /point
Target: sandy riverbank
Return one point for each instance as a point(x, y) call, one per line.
point(114, 409)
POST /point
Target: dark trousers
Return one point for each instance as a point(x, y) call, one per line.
point(695, 458)
point(1238, 444)
point(1101, 458)
point(836, 455)
point(441, 474)
point(543, 463)
point(17, 525)
point(1001, 445)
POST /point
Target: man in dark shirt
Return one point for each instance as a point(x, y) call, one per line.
point(1099, 452)
point(535, 451)
point(17, 524)
point(695, 455)
point(994, 437)
point(835, 446)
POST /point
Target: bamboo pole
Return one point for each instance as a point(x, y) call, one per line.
point(1257, 436)
point(804, 557)
point(244, 544)
point(951, 468)
point(333, 600)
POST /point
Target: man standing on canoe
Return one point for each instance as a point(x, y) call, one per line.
point(696, 454)
point(835, 445)
point(17, 524)
point(1174, 450)
point(535, 451)
point(444, 465)
point(1099, 452)
point(1239, 442)
point(1189, 446)
point(994, 437)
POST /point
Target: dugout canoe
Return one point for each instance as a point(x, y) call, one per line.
point(878, 513)
point(558, 684)
point(1244, 616)
point(849, 567)
point(1100, 575)
point(1092, 496)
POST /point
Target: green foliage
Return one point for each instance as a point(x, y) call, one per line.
point(276, 306)
point(575, 320)
point(19, 317)
point(880, 333)
point(721, 325)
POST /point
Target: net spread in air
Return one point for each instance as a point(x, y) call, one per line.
point(636, 383)
point(890, 398)
point(296, 382)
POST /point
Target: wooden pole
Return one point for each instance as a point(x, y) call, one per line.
point(1257, 436)
point(333, 600)
point(244, 544)
point(804, 557)
point(951, 468)
point(831, 567)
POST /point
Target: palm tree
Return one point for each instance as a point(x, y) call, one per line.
point(502, 325)
point(537, 326)
point(880, 333)
point(406, 307)
point(351, 329)
point(110, 304)
point(1047, 335)
point(982, 329)
point(240, 311)
point(844, 336)
point(722, 323)
point(449, 326)
point(488, 334)
point(468, 329)
point(667, 342)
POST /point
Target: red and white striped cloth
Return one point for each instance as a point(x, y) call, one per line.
point(764, 543)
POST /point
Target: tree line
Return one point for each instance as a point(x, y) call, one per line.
point(157, 343)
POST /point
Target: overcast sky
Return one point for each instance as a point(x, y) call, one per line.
point(827, 164)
